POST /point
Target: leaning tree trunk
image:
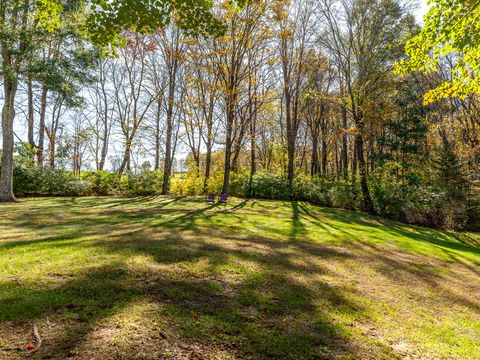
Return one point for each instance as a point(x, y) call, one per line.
point(126, 157)
point(8, 115)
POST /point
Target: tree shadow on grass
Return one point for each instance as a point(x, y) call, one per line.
point(258, 308)
point(451, 241)
point(256, 296)
point(266, 315)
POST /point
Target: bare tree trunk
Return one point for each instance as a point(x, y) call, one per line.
point(354, 165)
point(344, 143)
point(367, 200)
point(168, 161)
point(157, 135)
point(167, 169)
point(126, 157)
point(52, 151)
point(106, 127)
point(8, 115)
point(208, 158)
point(31, 114)
point(253, 166)
point(315, 166)
point(103, 156)
point(324, 157)
point(41, 131)
point(228, 147)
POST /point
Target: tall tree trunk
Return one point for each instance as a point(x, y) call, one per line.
point(315, 166)
point(41, 131)
point(228, 152)
point(228, 147)
point(324, 157)
point(103, 154)
point(208, 158)
point(52, 151)
point(8, 115)
point(157, 135)
point(290, 138)
point(344, 143)
point(354, 170)
point(253, 166)
point(126, 157)
point(168, 158)
point(31, 116)
point(209, 142)
point(167, 169)
point(367, 200)
point(106, 128)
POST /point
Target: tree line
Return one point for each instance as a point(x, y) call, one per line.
point(298, 89)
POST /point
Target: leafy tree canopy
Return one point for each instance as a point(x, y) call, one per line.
point(106, 19)
point(452, 29)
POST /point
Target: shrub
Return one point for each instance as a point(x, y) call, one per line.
point(311, 190)
point(341, 194)
point(78, 188)
point(186, 185)
point(102, 182)
point(145, 183)
point(35, 180)
point(267, 185)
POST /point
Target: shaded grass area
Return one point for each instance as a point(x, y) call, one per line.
point(163, 277)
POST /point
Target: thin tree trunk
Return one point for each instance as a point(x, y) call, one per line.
point(31, 114)
point(228, 148)
point(344, 143)
point(168, 143)
point(315, 166)
point(157, 135)
point(8, 115)
point(324, 157)
point(41, 131)
point(253, 167)
point(208, 159)
point(168, 154)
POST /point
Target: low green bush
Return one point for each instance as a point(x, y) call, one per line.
point(34, 180)
point(144, 183)
point(102, 182)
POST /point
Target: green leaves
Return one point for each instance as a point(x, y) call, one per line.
point(452, 29)
point(109, 18)
point(106, 20)
point(48, 13)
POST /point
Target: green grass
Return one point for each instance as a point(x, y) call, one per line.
point(152, 278)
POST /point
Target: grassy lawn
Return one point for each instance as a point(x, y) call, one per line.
point(153, 278)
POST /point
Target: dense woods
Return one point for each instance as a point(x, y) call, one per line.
point(291, 100)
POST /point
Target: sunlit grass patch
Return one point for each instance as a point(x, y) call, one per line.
point(172, 277)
